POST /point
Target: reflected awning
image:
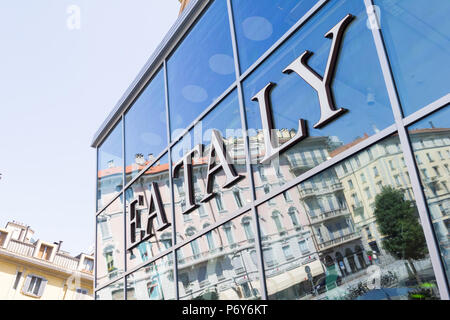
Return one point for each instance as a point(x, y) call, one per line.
point(289, 278)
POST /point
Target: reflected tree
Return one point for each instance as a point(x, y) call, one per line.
point(396, 218)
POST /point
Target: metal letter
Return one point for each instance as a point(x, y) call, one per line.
point(155, 211)
point(135, 221)
point(323, 85)
point(186, 162)
point(217, 149)
point(267, 125)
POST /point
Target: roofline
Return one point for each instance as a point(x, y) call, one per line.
point(169, 42)
point(45, 266)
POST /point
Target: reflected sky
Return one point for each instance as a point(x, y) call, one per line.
point(145, 123)
point(260, 23)
point(358, 83)
point(201, 68)
point(417, 37)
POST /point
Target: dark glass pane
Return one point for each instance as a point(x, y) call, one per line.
point(417, 38)
point(138, 252)
point(110, 167)
point(357, 86)
point(226, 272)
point(360, 241)
point(201, 68)
point(145, 127)
point(152, 282)
point(430, 139)
point(260, 23)
point(110, 247)
point(225, 118)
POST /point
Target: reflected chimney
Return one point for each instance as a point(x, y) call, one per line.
point(110, 163)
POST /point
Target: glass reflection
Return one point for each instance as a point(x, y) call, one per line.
point(260, 23)
point(110, 167)
point(145, 127)
point(430, 139)
point(201, 68)
point(110, 245)
point(142, 192)
point(357, 86)
point(221, 265)
point(417, 38)
point(350, 232)
point(225, 118)
point(152, 282)
point(113, 291)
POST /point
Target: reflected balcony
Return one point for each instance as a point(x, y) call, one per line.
point(339, 241)
point(308, 192)
point(337, 186)
point(328, 215)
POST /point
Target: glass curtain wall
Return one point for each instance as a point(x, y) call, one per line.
point(270, 142)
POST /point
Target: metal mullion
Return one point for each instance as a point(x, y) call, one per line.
point(328, 164)
point(149, 261)
point(262, 278)
point(409, 157)
point(95, 224)
point(427, 110)
point(283, 38)
point(124, 209)
point(203, 114)
point(110, 282)
point(211, 227)
point(172, 198)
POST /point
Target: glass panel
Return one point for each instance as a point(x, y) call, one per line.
point(260, 23)
point(228, 272)
point(110, 167)
point(347, 245)
point(112, 292)
point(417, 38)
point(145, 127)
point(430, 139)
point(152, 282)
point(110, 243)
point(225, 118)
point(357, 86)
point(201, 68)
point(155, 237)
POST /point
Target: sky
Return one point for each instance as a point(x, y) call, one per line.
point(60, 77)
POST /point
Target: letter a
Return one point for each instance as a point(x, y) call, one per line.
point(217, 151)
point(300, 66)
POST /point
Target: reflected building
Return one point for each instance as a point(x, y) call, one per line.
point(250, 167)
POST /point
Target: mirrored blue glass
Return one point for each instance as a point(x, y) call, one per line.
point(417, 39)
point(260, 23)
point(145, 127)
point(357, 85)
point(201, 68)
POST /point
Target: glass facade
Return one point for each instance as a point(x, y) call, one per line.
point(283, 150)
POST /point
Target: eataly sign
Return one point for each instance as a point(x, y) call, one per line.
point(218, 156)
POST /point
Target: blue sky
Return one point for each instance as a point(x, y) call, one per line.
point(57, 85)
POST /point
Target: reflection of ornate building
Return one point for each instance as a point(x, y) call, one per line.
point(31, 269)
point(364, 175)
point(326, 223)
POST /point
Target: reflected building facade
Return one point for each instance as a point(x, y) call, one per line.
point(238, 172)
